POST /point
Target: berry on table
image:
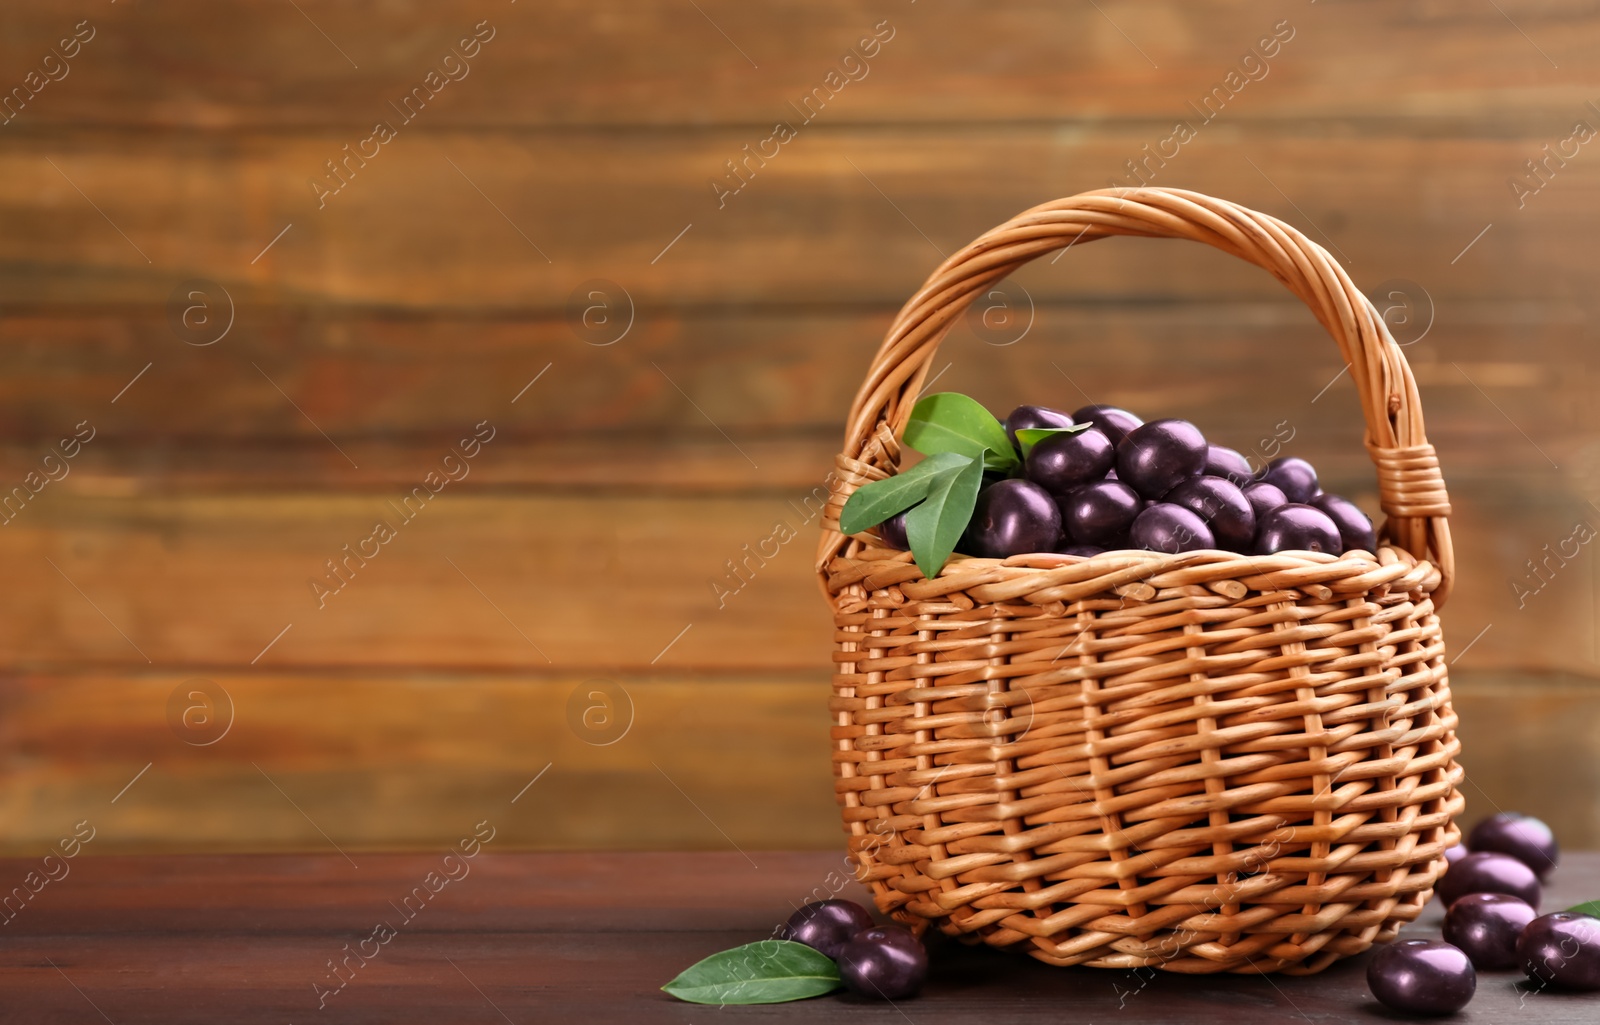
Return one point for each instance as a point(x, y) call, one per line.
point(883, 963)
point(1422, 977)
point(1489, 872)
point(826, 925)
point(1486, 927)
point(1562, 950)
point(1523, 837)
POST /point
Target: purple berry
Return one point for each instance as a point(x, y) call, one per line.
point(1562, 950)
point(883, 963)
point(1084, 551)
point(1355, 530)
point(1114, 423)
point(1171, 529)
point(1224, 508)
point(1061, 462)
point(1157, 457)
point(1295, 477)
point(1523, 837)
point(1264, 498)
point(1100, 513)
point(892, 531)
point(1296, 528)
point(1454, 854)
point(826, 925)
point(1486, 926)
point(1013, 517)
point(1228, 464)
point(1024, 417)
point(1422, 977)
point(1488, 872)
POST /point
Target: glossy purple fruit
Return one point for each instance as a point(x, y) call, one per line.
point(1486, 926)
point(1084, 551)
point(1159, 456)
point(1264, 498)
point(1561, 950)
point(826, 925)
point(1355, 530)
point(1228, 464)
point(1170, 528)
point(1523, 837)
point(1296, 528)
point(1422, 977)
point(892, 532)
point(1224, 508)
point(1114, 423)
point(1455, 854)
point(1489, 872)
point(883, 963)
point(1013, 517)
point(1061, 462)
point(1292, 475)
point(1033, 416)
point(1100, 513)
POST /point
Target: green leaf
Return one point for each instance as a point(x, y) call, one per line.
point(934, 527)
point(871, 504)
point(1591, 907)
point(952, 422)
point(1028, 437)
point(766, 972)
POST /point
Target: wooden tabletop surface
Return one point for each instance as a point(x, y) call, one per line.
point(527, 938)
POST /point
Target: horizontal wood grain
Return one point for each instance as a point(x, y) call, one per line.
point(388, 389)
point(656, 63)
point(470, 580)
point(411, 231)
point(501, 891)
point(407, 759)
point(581, 581)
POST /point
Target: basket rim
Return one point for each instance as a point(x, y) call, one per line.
point(1131, 572)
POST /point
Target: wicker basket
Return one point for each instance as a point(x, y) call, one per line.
point(1203, 762)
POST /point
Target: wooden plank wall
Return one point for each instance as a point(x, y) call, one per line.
point(162, 166)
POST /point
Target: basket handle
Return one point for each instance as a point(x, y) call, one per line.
point(1410, 487)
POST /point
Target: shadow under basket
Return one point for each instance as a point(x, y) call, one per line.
point(1204, 762)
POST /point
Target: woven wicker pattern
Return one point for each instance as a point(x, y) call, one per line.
point(1202, 762)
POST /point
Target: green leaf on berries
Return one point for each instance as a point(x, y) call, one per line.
point(1027, 437)
point(766, 972)
point(1591, 907)
point(871, 504)
point(952, 422)
point(934, 527)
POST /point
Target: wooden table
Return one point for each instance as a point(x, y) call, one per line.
point(528, 938)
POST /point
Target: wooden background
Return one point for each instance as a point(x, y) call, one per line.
point(584, 551)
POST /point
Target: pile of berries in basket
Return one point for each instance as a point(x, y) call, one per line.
point(1091, 481)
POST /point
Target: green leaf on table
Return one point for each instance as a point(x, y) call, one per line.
point(766, 972)
point(952, 422)
point(1591, 907)
point(1027, 437)
point(934, 527)
point(871, 504)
